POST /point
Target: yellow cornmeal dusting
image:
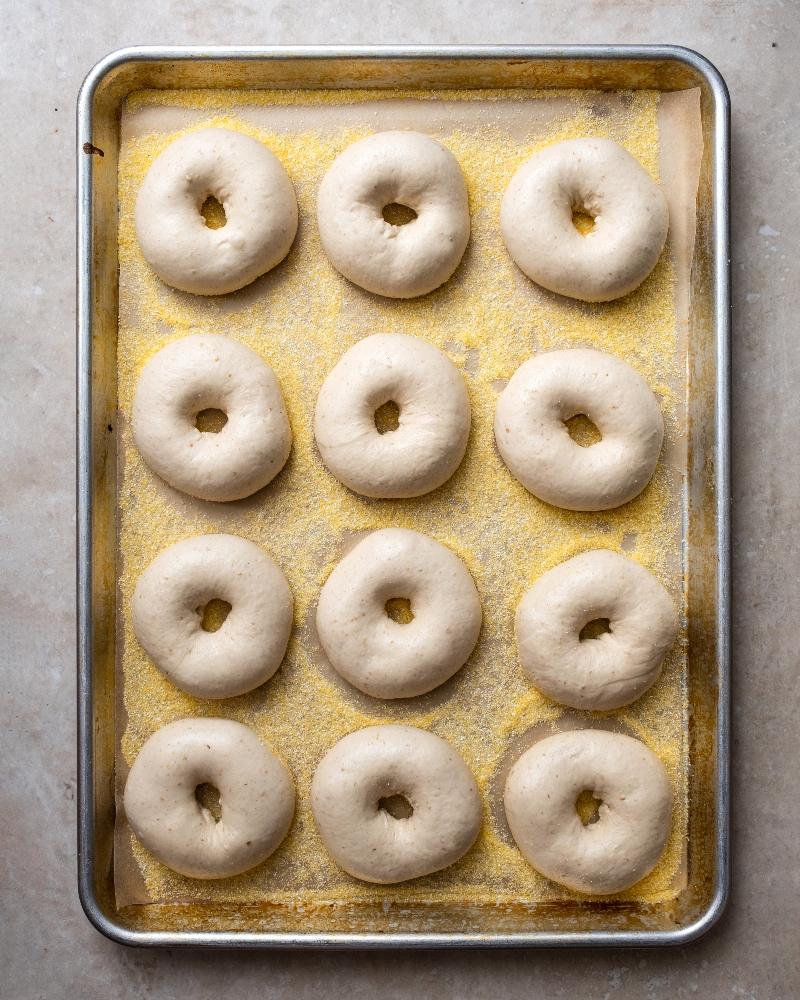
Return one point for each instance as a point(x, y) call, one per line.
point(488, 318)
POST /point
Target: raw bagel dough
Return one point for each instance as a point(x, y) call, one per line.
point(630, 212)
point(256, 796)
point(405, 168)
point(167, 612)
point(382, 657)
point(618, 666)
point(207, 371)
point(373, 764)
point(253, 189)
point(634, 819)
point(532, 437)
point(434, 417)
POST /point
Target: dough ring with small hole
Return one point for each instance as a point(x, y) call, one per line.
point(633, 824)
point(615, 668)
point(256, 798)
point(255, 193)
point(201, 372)
point(394, 168)
point(535, 444)
point(361, 771)
point(383, 657)
point(429, 442)
point(167, 613)
point(602, 179)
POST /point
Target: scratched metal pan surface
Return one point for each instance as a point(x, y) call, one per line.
point(706, 533)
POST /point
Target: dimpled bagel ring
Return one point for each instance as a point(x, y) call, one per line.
point(633, 819)
point(354, 799)
point(257, 198)
point(256, 798)
point(382, 656)
point(198, 373)
point(534, 441)
point(394, 168)
point(167, 613)
point(619, 665)
point(601, 179)
point(433, 417)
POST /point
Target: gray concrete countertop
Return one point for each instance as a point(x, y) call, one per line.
point(48, 951)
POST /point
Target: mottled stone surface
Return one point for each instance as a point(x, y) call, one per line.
point(47, 948)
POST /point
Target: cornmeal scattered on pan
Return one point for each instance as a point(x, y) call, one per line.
point(488, 318)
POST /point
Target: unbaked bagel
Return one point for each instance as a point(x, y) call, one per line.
point(167, 613)
point(352, 793)
point(633, 823)
point(617, 666)
point(433, 418)
point(256, 798)
point(257, 198)
point(383, 657)
point(204, 372)
point(394, 168)
point(534, 441)
point(598, 177)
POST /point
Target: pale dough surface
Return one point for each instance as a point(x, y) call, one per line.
point(167, 612)
point(624, 844)
point(385, 658)
point(600, 178)
point(208, 371)
point(256, 797)
point(381, 761)
point(255, 193)
point(616, 667)
point(535, 444)
point(434, 417)
point(404, 168)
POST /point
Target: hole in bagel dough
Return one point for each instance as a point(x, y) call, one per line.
point(387, 417)
point(213, 212)
point(582, 431)
point(582, 220)
point(398, 215)
point(588, 807)
point(399, 610)
point(594, 629)
point(208, 798)
point(210, 421)
point(213, 615)
point(397, 806)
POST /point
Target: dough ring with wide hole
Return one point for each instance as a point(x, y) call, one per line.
point(534, 441)
point(210, 372)
point(601, 179)
point(172, 594)
point(256, 798)
point(433, 417)
point(255, 193)
point(633, 819)
point(617, 666)
point(394, 168)
point(354, 794)
point(380, 655)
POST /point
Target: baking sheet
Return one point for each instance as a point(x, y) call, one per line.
point(488, 319)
